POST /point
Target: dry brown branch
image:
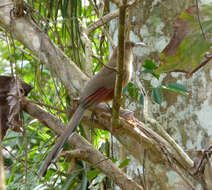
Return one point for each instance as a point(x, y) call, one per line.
point(93, 156)
point(102, 21)
point(104, 29)
point(107, 18)
point(89, 154)
point(133, 135)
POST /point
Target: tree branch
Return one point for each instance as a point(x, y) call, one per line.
point(120, 61)
point(107, 18)
point(133, 135)
point(90, 154)
point(93, 156)
point(31, 36)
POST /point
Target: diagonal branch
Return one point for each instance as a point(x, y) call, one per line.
point(107, 18)
point(133, 135)
point(90, 154)
point(32, 37)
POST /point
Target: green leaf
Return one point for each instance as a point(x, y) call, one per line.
point(43, 136)
point(175, 87)
point(157, 95)
point(141, 99)
point(130, 84)
point(157, 76)
point(92, 174)
point(148, 71)
point(148, 64)
point(124, 163)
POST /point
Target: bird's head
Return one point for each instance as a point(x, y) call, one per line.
point(130, 44)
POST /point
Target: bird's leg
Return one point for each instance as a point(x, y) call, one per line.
point(127, 114)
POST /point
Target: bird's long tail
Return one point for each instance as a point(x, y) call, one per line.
point(72, 125)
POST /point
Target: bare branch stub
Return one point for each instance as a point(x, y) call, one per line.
point(200, 24)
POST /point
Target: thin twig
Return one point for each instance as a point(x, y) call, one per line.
point(104, 29)
point(201, 164)
point(144, 172)
point(48, 106)
point(9, 51)
point(200, 24)
point(41, 104)
point(22, 50)
point(190, 74)
point(100, 61)
point(45, 105)
point(26, 151)
point(141, 179)
point(179, 71)
point(107, 18)
point(208, 58)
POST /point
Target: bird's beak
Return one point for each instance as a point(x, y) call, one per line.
point(140, 44)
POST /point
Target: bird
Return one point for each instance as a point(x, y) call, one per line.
point(98, 89)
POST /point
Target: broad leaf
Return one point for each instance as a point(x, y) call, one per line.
point(157, 95)
point(175, 87)
point(141, 99)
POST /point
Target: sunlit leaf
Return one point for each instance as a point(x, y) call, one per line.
point(124, 163)
point(175, 87)
point(149, 64)
point(92, 174)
